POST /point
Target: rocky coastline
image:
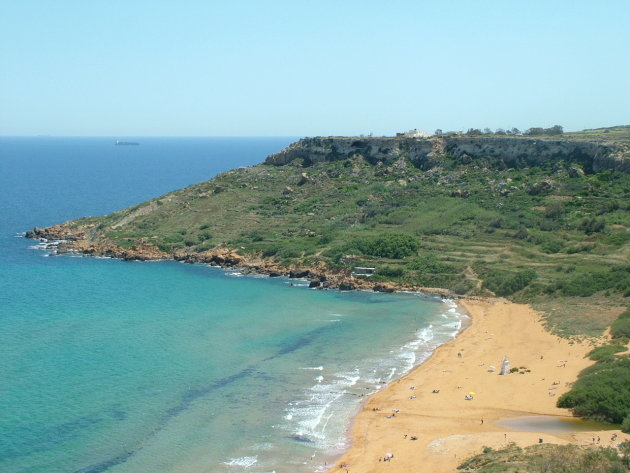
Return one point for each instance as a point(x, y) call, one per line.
point(63, 240)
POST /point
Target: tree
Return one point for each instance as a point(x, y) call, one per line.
point(515, 131)
point(534, 131)
point(554, 130)
point(500, 131)
point(438, 132)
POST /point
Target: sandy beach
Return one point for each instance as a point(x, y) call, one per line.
point(429, 431)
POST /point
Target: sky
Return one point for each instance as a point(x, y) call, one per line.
point(310, 68)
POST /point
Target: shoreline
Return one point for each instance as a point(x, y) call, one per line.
point(450, 428)
point(60, 240)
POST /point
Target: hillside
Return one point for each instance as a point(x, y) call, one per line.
point(544, 220)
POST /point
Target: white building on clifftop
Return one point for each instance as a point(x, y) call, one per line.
point(414, 134)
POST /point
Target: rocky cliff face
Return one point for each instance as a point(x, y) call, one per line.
point(429, 152)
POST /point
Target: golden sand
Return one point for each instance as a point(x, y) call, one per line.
point(450, 428)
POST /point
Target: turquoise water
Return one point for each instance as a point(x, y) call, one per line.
point(165, 367)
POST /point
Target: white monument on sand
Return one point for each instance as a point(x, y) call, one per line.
point(505, 366)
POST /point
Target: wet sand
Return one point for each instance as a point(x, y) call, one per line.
point(450, 428)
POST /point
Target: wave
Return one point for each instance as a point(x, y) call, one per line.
point(244, 462)
point(322, 413)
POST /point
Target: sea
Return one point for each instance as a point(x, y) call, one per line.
point(120, 367)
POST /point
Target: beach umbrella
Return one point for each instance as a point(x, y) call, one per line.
point(472, 393)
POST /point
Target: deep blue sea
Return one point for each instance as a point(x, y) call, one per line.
point(111, 366)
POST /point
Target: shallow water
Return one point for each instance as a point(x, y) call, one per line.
point(554, 425)
point(160, 366)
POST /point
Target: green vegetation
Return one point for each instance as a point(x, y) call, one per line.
point(621, 327)
point(534, 131)
point(535, 233)
point(602, 391)
point(394, 246)
point(548, 458)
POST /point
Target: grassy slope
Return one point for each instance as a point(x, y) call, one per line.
point(550, 458)
point(478, 229)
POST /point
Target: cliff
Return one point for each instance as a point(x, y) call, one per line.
point(519, 217)
point(426, 153)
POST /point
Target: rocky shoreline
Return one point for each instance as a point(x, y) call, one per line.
point(62, 240)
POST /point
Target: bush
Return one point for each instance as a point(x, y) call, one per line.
point(621, 326)
point(505, 284)
point(429, 264)
point(554, 210)
point(203, 236)
point(592, 225)
point(395, 245)
point(587, 284)
point(606, 352)
point(552, 247)
point(390, 271)
point(601, 392)
point(625, 425)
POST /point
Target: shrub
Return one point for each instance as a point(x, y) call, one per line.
point(521, 234)
point(587, 284)
point(606, 352)
point(552, 247)
point(390, 271)
point(592, 225)
point(395, 245)
point(554, 210)
point(621, 326)
point(429, 264)
point(601, 392)
point(505, 284)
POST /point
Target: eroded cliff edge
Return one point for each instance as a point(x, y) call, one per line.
point(430, 152)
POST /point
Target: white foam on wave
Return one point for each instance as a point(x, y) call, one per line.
point(318, 368)
point(234, 274)
point(321, 414)
point(312, 414)
point(244, 462)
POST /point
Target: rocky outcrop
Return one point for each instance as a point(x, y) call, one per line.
point(65, 240)
point(425, 153)
point(56, 232)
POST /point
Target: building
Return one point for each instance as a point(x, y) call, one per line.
point(359, 271)
point(413, 134)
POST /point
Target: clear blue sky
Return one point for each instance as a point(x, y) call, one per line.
point(306, 68)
